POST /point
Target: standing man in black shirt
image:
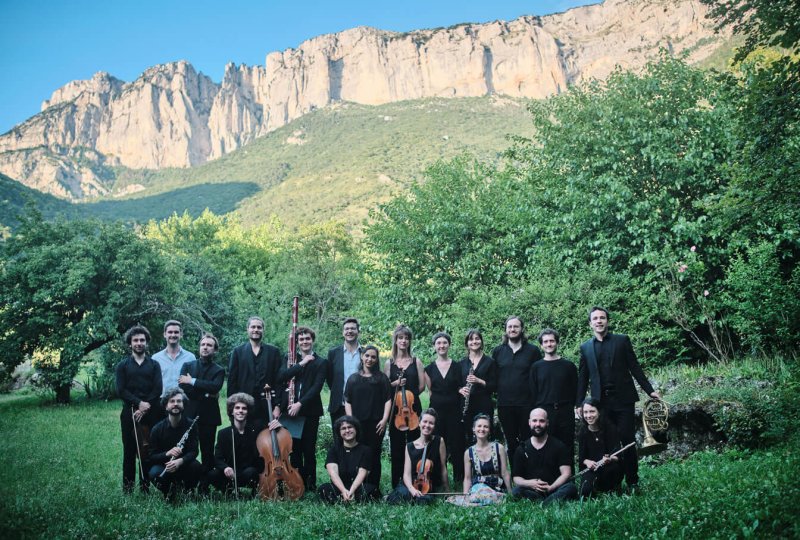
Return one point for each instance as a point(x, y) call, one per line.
point(514, 358)
point(554, 382)
point(309, 373)
point(202, 380)
point(343, 361)
point(254, 368)
point(138, 382)
point(173, 462)
point(608, 366)
point(542, 465)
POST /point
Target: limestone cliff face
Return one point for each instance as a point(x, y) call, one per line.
point(173, 116)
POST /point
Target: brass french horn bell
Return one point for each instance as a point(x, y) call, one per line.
point(655, 416)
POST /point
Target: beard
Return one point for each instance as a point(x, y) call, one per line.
point(538, 431)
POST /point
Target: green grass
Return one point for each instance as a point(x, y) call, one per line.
point(60, 478)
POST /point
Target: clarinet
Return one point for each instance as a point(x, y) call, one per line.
point(182, 442)
point(469, 390)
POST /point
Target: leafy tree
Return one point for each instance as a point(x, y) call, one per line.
point(763, 22)
point(68, 288)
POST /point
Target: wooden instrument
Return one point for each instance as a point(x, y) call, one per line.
point(578, 475)
point(279, 481)
point(469, 391)
point(422, 480)
point(292, 359)
point(405, 418)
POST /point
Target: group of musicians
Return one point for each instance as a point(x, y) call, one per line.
point(170, 411)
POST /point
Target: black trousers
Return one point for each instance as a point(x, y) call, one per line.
point(375, 443)
point(450, 428)
point(245, 477)
point(514, 420)
point(606, 478)
point(565, 492)
point(186, 477)
point(366, 492)
point(401, 495)
point(623, 416)
point(561, 421)
point(397, 447)
point(129, 450)
point(338, 413)
point(206, 436)
point(304, 453)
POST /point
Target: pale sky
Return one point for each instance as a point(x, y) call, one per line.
point(46, 43)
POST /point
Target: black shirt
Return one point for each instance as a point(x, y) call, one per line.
point(368, 395)
point(415, 455)
point(596, 444)
point(247, 454)
point(444, 390)
point(308, 382)
point(136, 383)
point(411, 375)
point(349, 460)
point(164, 437)
point(542, 464)
point(513, 374)
point(553, 382)
point(602, 351)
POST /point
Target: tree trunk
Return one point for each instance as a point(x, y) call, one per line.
point(62, 393)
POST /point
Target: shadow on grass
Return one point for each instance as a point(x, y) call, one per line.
point(219, 198)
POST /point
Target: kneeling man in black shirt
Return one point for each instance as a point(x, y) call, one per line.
point(542, 465)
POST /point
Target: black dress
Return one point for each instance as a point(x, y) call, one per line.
point(594, 445)
point(447, 402)
point(367, 397)
point(398, 439)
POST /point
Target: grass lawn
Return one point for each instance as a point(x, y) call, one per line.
point(60, 478)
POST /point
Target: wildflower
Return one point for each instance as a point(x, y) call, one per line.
point(706, 293)
point(693, 249)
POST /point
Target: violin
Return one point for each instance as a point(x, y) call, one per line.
point(406, 417)
point(422, 480)
point(279, 481)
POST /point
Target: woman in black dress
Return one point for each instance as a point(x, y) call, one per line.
point(404, 371)
point(433, 447)
point(479, 380)
point(597, 440)
point(443, 379)
point(348, 464)
point(368, 398)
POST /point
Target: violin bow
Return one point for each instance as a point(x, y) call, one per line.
point(138, 449)
point(235, 479)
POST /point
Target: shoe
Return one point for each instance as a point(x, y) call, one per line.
point(633, 489)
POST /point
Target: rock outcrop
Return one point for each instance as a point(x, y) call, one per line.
point(172, 116)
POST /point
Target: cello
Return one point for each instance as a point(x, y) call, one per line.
point(279, 481)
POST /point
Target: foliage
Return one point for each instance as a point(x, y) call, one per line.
point(761, 302)
point(68, 288)
point(763, 22)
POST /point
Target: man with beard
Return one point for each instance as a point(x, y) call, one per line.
point(138, 382)
point(554, 382)
point(173, 461)
point(343, 361)
point(607, 367)
point(172, 358)
point(542, 465)
point(202, 380)
point(237, 462)
point(253, 369)
point(514, 358)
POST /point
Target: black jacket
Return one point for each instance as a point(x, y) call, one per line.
point(204, 393)
point(624, 367)
point(335, 377)
point(308, 383)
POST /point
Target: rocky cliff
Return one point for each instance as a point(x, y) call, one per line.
point(172, 116)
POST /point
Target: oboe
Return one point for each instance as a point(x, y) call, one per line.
point(182, 442)
point(469, 390)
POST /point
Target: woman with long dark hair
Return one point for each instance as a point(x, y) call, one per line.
point(479, 379)
point(597, 440)
point(368, 399)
